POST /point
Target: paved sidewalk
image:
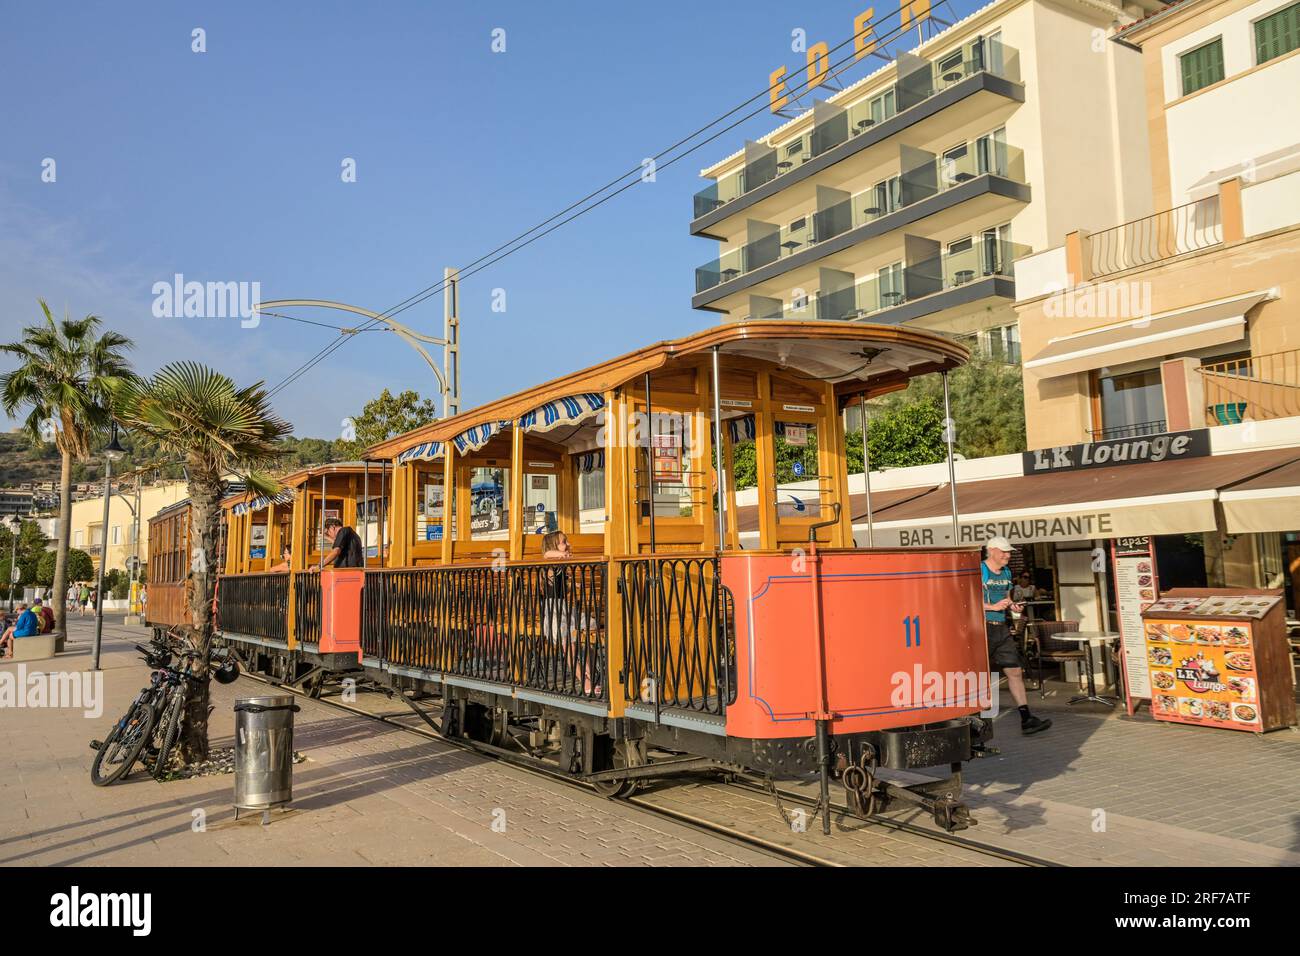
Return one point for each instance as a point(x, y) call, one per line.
point(368, 794)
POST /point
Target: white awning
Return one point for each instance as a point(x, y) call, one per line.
point(1261, 509)
point(1156, 336)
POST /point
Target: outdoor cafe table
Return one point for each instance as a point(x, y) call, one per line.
point(1089, 640)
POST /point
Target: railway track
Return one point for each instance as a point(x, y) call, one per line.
point(774, 849)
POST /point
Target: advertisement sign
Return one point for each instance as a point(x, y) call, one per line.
point(796, 434)
point(257, 542)
point(666, 457)
point(1204, 673)
point(1136, 588)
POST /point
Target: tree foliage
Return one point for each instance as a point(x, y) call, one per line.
point(67, 373)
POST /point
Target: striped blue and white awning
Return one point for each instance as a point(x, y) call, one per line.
point(741, 428)
point(425, 452)
point(261, 501)
point(472, 439)
point(569, 410)
point(591, 461)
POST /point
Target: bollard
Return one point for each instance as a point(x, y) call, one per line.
point(263, 753)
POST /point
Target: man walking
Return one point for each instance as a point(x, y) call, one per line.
point(1004, 652)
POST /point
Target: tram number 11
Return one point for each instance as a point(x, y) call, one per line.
point(912, 625)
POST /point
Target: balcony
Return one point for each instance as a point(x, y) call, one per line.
point(884, 208)
point(1172, 232)
point(1130, 430)
point(1254, 388)
point(923, 88)
point(926, 286)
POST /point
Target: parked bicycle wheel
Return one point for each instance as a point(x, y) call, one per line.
point(171, 727)
point(120, 750)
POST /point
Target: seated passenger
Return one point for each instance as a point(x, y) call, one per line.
point(285, 554)
point(25, 626)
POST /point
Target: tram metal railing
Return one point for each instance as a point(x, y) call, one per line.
point(255, 604)
point(539, 626)
point(306, 607)
point(678, 634)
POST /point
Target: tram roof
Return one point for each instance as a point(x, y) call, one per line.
point(296, 478)
point(858, 357)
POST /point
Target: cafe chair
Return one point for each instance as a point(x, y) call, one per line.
point(1041, 647)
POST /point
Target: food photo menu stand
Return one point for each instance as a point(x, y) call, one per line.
point(1218, 657)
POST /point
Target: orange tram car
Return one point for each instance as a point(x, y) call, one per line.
point(668, 638)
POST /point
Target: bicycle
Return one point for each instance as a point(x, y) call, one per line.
point(119, 751)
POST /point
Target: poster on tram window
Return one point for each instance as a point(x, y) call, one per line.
point(257, 542)
point(666, 454)
point(1203, 672)
point(1134, 564)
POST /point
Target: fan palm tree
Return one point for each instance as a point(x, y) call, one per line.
point(200, 417)
point(65, 377)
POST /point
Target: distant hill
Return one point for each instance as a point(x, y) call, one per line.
point(21, 461)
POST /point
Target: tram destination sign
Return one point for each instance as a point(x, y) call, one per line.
point(1118, 451)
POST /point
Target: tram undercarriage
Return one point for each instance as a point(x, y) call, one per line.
point(617, 756)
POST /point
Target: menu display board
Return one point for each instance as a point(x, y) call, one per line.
point(1203, 673)
point(1219, 657)
point(1135, 590)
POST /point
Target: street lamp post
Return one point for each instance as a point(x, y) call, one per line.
point(112, 453)
point(16, 525)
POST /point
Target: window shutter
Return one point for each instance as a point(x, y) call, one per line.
point(1277, 33)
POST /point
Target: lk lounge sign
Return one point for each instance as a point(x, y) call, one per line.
point(1119, 451)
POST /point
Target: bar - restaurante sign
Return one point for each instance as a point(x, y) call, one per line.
point(1118, 451)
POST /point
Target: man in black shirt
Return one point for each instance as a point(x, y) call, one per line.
point(345, 551)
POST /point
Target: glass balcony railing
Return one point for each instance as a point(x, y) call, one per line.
point(928, 178)
point(914, 88)
point(894, 287)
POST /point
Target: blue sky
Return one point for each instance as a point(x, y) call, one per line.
point(226, 166)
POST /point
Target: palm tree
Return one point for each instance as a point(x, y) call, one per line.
point(65, 377)
point(199, 416)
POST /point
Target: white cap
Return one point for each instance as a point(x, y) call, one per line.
point(1001, 543)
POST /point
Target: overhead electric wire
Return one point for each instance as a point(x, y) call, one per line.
point(480, 264)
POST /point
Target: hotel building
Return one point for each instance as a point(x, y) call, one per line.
point(909, 195)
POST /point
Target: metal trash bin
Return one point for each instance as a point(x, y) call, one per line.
point(263, 752)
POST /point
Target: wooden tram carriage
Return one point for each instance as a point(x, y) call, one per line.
point(668, 641)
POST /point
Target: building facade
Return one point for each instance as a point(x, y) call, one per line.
point(129, 512)
point(909, 195)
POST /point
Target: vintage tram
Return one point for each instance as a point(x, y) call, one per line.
point(664, 638)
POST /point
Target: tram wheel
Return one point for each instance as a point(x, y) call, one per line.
point(478, 724)
point(616, 758)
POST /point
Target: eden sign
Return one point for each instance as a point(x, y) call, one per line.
point(910, 13)
point(1119, 451)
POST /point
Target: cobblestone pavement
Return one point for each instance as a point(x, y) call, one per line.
point(368, 794)
point(1102, 788)
point(1098, 788)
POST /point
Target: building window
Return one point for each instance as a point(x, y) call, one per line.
point(1129, 405)
point(1203, 66)
point(1003, 344)
point(77, 538)
point(117, 534)
point(883, 106)
point(1277, 33)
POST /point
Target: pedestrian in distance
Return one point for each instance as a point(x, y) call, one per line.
point(1004, 650)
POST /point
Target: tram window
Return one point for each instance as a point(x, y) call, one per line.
point(591, 500)
point(540, 497)
point(798, 493)
point(333, 509)
point(663, 472)
point(489, 490)
point(429, 502)
point(370, 528)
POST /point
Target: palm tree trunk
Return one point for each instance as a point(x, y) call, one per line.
point(205, 514)
point(60, 593)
